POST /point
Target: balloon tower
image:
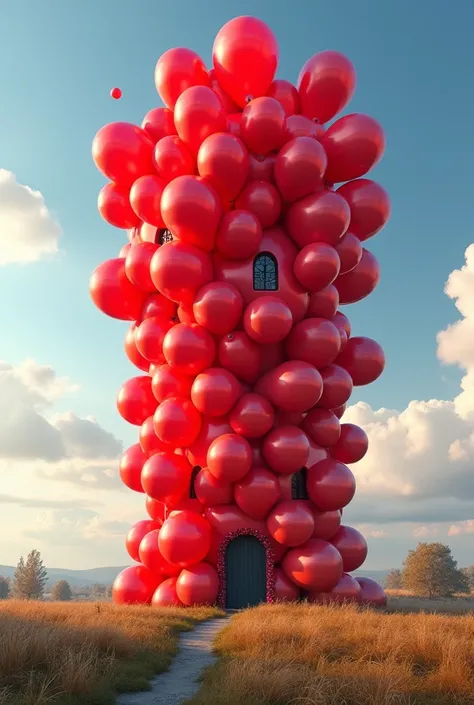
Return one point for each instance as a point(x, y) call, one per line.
point(247, 217)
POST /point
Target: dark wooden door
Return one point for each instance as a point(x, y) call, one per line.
point(246, 582)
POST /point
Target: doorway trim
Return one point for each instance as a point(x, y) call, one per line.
point(269, 568)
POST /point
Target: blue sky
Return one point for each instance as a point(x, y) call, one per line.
point(414, 62)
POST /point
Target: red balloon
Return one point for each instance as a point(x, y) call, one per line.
point(291, 523)
point(245, 58)
point(286, 94)
point(198, 113)
point(186, 314)
point(159, 123)
point(189, 348)
point(155, 509)
point(229, 457)
point(315, 341)
point(135, 400)
point(135, 585)
point(292, 386)
point(324, 303)
point(122, 152)
point(339, 412)
point(337, 387)
point(326, 524)
point(239, 235)
point(286, 449)
point(353, 144)
point(285, 589)
point(227, 102)
point(168, 382)
point(172, 158)
point(360, 281)
point(191, 210)
point(166, 477)
point(211, 429)
point(185, 538)
point(177, 422)
point(215, 391)
point(316, 565)
point(263, 125)
point(116, 93)
point(136, 534)
point(224, 162)
point(371, 593)
point(158, 306)
point(198, 585)
point(364, 359)
point(131, 350)
point(125, 250)
point(301, 126)
point(261, 168)
point(149, 441)
point(151, 557)
point(331, 485)
point(257, 493)
point(165, 595)
point(326, 84)
point(137, 265)
point(113, 293)
point(267, 320)
point(370, 206)
point(145, 199)
point(316, 266)
point(233, 124)
point(300, 167)
point(179, 270)
point(114, 206)
point(342, 323)
point(241, 355)
point(176, 70)
point(346, 590)
point(149, 338)
point(349, 250)
point(252, 416)
point(352, 546)
point(320, 217)
point(263, 200)
point(352, 444)
point(210, 491)
point(130, 467)
point(322, 426)
point(218, 307)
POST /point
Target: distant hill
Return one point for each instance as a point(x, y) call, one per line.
point(106, 576)
point(75, 578)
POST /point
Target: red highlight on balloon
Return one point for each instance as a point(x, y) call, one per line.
point(247, 219)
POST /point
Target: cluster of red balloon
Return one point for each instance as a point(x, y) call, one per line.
point(241, 249)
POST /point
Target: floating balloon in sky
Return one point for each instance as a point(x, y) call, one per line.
point(241, 245)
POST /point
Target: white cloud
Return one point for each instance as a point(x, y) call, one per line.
point(420, 464)
point(462, 527)
point(28, 231)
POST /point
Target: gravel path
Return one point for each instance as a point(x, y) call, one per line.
point(180, 682)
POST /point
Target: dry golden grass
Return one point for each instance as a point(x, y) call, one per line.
point(313, 655)
point(82, 653)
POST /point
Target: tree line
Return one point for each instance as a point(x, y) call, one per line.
point(30, 581)
point(431, 571)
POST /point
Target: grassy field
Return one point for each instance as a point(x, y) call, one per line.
point(311, 655)
point(82, 653)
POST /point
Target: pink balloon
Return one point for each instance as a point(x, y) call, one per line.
point(331, 485)
point(263, 125)
point(300, 167)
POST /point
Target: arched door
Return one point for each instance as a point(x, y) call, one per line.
point(246, 580)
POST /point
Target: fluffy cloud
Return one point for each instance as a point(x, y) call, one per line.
point(28, 231)
point(420, 462)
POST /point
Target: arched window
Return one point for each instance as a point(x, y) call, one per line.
point(163, 236)
point(265, 272)
point(298, 485)
point(194, 474)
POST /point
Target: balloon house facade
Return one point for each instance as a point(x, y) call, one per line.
point(247, 206)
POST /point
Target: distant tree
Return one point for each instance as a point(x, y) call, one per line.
point(469, 575)
point(393, 581)
point(98, 591)
point(108, 592)
point(430, 570)
point(61, 591)
point(30, 578)
point(4, 588)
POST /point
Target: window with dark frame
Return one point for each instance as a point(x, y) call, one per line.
point(164, 236)
point(192, 489)
point(265, 272)
point(298, 485)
